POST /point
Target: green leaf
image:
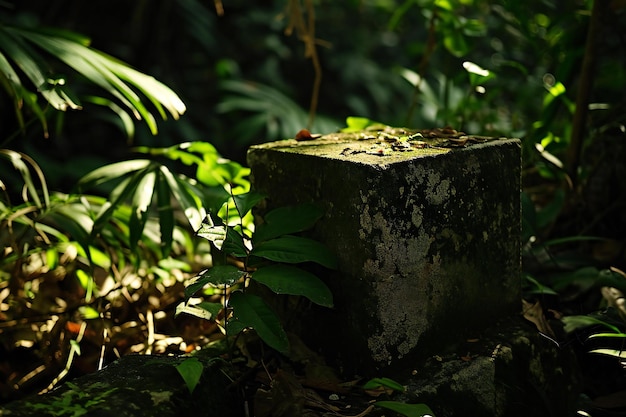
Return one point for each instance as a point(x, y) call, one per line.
point(608, 335)
point(191, 370)
point(140, 203)
point(537, 287)
point(408, 410)
point(218, 275)
point(610, 352)
point(245, 202)
point(293, 249)
point(234, 244)
point(214, 233)
point(19, 162)
point(355, 124)
point(284, 279)
point(252, 312)
point(188, 201)
point(455, 43)
point(477, 75)
point(287, 220)
point(384, 382)
point(112, 171)
point(204, 310)
point(166, 214)
point(576, 322)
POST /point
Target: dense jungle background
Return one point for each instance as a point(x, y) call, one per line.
point(92, 268)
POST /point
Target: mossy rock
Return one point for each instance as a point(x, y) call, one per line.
point(137, 386)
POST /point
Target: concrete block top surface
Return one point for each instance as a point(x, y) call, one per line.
point(383, 147)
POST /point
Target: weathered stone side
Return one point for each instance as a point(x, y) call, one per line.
point(428, 240)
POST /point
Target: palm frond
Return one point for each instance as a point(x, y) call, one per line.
point(32, 51)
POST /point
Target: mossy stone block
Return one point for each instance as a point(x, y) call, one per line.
point(427, 236)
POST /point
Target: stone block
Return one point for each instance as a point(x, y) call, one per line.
point(427, 236)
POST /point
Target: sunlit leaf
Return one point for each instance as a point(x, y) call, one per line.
point(610, 352)
point(201, 311)
point(608, 335)
point(477, 75)
point(112, 171)
point(284, 279)
point(214, 233)
point(88, 312)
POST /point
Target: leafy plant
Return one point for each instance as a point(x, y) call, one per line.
point(20, 56)
point(151, 187)
point(268, 256)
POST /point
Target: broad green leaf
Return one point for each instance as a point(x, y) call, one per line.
point(287, 220)
point(293, 249)
point(408, 410)
point(191, 370)
point(252, 312)
point(218, 275)
point(245, 202)
point(234, 244)
point(284, 279)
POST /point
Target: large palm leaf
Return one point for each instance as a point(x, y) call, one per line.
point(29, 67)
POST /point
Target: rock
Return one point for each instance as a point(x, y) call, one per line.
point(511, 370)
point(136, 386)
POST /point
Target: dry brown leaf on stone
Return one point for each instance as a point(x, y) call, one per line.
point(533, 312)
